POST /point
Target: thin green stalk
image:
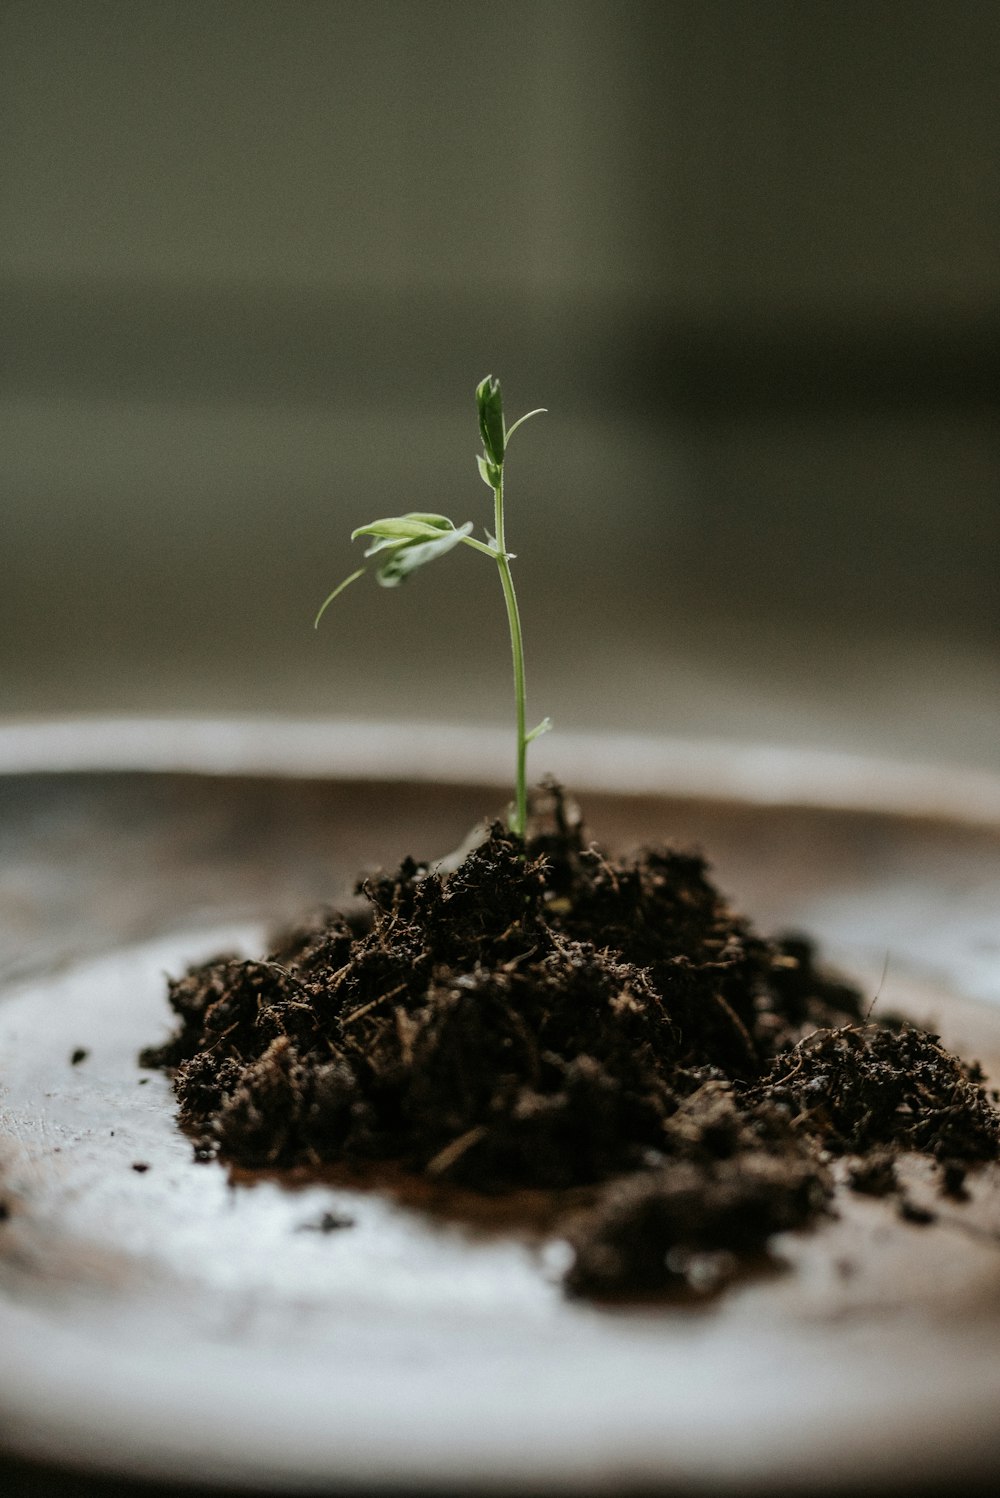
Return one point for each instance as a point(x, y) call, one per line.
point(520, 820)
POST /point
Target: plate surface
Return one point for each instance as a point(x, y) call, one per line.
point(166, 1323)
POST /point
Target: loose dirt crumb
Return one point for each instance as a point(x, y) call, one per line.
point(329, 1222)
point(912, 1212)
point(874, 1175)
point(543, 1016)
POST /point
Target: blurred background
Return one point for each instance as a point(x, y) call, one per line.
point(256, 254)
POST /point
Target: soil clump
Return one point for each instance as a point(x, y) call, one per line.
point(542, 1016)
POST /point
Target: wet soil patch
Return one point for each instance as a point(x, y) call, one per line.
point(607, 1036)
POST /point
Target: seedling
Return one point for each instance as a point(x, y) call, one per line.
point(405, 543)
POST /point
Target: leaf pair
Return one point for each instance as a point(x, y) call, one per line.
point(405, 543)
point(494, 432)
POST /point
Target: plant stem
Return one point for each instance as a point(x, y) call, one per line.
point(519, 821)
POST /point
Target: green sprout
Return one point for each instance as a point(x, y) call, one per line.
point(404, 543)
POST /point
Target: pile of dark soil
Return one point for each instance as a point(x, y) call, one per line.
point(544, 1017)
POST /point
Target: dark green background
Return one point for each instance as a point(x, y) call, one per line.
point(257, 253)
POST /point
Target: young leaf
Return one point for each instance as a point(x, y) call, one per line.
point(488, 472)
point(543, 727)
point(387, 543)
point(439, 522)
point(415, 527)
point(489, 402)
point(407, 557)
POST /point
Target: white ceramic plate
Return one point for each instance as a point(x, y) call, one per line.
point(164, 1323)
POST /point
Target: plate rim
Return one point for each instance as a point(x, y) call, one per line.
point(425, 751)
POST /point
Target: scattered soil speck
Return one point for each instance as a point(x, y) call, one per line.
point(140, 1167)
point(329, 1222)
point(953, 1180)
point(911, 1212)
point(80, 1054)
